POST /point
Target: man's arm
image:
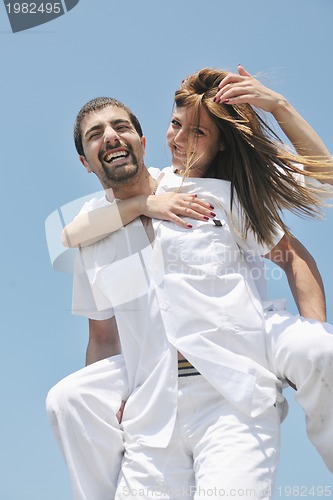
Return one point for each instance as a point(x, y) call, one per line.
point(103, 340)
point(103, 343)
point(303, 276)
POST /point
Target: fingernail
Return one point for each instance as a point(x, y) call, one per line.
point(214, 99)
point(211, 206)
point(226, 101)
point(212, 214)
point(189, 226)
point(205, 217)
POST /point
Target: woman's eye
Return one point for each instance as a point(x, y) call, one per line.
point(197, 131)
point(175, 123)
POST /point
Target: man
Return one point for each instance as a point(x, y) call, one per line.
point(92, 477)
point(113, 149)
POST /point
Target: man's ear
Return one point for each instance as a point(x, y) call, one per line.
point(85, 164)
point(143, 143)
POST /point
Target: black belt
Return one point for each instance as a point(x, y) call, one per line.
point(185, 369)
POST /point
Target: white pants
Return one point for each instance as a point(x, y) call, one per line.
point(301, 351)
point(82, 409)
point(215, 451)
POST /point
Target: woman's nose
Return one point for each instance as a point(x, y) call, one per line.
point(180, 137)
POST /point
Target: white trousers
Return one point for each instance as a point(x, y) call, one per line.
point(215, 451)
point(82, 409)
point(301, 350)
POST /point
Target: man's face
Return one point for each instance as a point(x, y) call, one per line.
point(113, 149)
point(205, 137)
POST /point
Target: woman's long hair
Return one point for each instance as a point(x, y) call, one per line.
point(259, 167)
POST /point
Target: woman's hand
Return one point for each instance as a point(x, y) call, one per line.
point(244, 88)
point(173, 206)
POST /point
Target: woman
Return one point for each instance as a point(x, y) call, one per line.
point(198, 149)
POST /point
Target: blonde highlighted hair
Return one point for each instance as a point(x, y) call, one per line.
point(259, 167)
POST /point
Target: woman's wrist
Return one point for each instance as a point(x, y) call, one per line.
point(282, 109)
point(141, 204)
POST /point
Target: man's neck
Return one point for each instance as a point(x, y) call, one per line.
point(141, 184)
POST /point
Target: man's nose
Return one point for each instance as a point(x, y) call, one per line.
point(111, 136)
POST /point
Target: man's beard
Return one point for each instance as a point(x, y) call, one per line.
point(115, 177)
point(121, 174)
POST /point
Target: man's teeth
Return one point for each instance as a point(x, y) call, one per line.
point(114, 156)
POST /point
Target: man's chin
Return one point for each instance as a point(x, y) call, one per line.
point(122, 173)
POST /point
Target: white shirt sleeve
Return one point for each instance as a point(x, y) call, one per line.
point(85, 300)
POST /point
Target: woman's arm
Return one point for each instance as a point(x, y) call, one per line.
point(303, 276)
point(93, 226)
point(244, 88)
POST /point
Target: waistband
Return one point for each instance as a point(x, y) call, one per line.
point(185, 369)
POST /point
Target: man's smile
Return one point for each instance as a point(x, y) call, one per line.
point(111, 156)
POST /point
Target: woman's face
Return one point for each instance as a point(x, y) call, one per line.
point(205, 138)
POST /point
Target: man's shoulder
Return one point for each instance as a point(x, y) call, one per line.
point(93, 204)
point(156, 172)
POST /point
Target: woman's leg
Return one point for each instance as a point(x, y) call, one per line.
point(301, 351)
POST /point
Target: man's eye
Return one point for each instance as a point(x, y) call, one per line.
point(94, 135)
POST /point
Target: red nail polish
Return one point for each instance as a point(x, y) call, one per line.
point(205, 217)
point(212, 214)
point(189, 226)
point(226, 101)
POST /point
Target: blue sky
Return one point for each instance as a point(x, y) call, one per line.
point(137, 52)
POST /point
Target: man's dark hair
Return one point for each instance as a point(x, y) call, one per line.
point(95, 105)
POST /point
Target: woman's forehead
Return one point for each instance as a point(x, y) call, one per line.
point(188, 115)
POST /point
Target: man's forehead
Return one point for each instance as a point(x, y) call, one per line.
point(107, 114)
